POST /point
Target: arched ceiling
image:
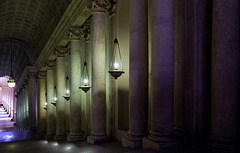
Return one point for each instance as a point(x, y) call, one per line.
point(19, 58)
point(31, 22)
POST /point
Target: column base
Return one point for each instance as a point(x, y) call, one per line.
point(223, 148)
point(60, 137)
point(41, 135)
point(49, 136)
point(96, 139)
point(75, 137)
point(33, 128)
point(132, 142)
point(166, 142)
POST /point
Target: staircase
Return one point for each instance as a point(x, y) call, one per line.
point(5, 121)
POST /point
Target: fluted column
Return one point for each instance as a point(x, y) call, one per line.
point(75, 105)
point(60, 52)
point(42, 125)
point(51, 110)
point(225, 75)
point(162, 76)
point(138, 77)
point(98, 105)
point(32, 97)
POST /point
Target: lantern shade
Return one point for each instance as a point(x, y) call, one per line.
point(67, 90)
point(115, 68)
point(116, 62)
point(55, 94)
point(85, 79)
point(11, 83)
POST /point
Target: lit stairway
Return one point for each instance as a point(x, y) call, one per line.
point(5, 121)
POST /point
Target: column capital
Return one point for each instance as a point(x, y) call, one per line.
point(113, 8)
point(99, 5)
point(61, 51)
point(50, 65)
point(41, 74)
point(75, 32)
point(32, 72)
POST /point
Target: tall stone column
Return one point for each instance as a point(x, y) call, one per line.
point(26, 104)
point(32, 97)
point(98, 105)
point(138, 77)
point(42, 125)
point(225, 75)
point(162, 76)
point(111, 85)
point(75, 105)
point(51, 110)
point(60, 52)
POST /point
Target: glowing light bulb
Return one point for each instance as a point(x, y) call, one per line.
point(45, 103)
point(55, 98)
point(116, 65)
point(67, 91)
point(85, 81)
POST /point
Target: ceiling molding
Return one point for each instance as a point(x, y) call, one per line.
point(71, 14)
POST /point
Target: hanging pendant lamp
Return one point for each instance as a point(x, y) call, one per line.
point(45, 103)
point(116, 69)
point(85, 79)
point(54, 96)
point(84, 83)
point(67, 90)
point(11, 82)
point(67, 83)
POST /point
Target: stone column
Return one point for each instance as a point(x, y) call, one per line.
point(89, 69)
point(26, 104)
point(60, 52)
point(162, 76)
point(75, 105)
point(42, 125)
point(225, 75)
point(98, 105)
point(32, 97)
point(138, 77)
point(51, 110)
point(111, 85)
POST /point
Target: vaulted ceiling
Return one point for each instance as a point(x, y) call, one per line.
point(25, 28)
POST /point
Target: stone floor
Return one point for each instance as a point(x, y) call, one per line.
point(14, 141)
point(44, 146)
point(5, 121)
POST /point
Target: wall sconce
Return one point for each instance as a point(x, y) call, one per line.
point(116, 69)
point(85, 79)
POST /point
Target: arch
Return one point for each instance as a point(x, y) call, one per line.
point(30, 52)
